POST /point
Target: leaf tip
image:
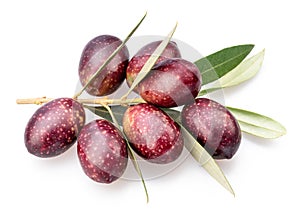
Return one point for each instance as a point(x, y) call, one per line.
point(230, 189)
point(144, 16)
point(263, 52)
point(250, 46)
point(176, 24)
point(283, 131)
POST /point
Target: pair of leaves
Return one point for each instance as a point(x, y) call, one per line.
point(216, 65)
point(243, 72)
point(258, 125)
point(216, 68)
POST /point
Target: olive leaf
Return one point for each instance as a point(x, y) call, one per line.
point(96, 74)
point(216, 65)
point(205, 160)
point(130, 150)
point(199, 153)
point(174, 114)
point(150, 62)
point(258, 125)
point(101, 111)
point(119, 111)
point(243, 72)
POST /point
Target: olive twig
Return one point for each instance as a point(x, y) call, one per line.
point(37, 101)
point(97, 101)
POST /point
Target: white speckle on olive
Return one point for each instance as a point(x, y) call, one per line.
point(94, 55)
point(214, 127)
point(139, 59)
point(49, 136)
point(152, 133)
point(172, 82)
point(101, 147)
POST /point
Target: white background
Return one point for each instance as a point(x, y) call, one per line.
point(40, 47)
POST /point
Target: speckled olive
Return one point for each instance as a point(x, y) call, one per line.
point(102, 151)
point(54, 127)
point(139, 59)
point(214, 127)
point(94, 55)
point(152, 133)
point(172, 82)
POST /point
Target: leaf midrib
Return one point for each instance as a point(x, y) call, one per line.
point(218, 65)
point(261, 127)
point(251, 63)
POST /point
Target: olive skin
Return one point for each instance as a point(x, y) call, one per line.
point(140, 58)
point(152, 133)
point(172, 82)
point(214, 127)
point(102, 151)
point(54, 127)
point(93, 56)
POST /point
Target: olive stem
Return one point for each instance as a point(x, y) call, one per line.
point(37, 101)
point(95, 75)
point(98, 101)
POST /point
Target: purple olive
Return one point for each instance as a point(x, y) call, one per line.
point(152, 133)
point(139, 59)
point(172, 82)
point(54, 127)
point(213, 126)
point(94, 55)
point(102, 151)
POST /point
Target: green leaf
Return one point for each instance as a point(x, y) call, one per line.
point(205, 160)
point(218, 64)
point(174, 114)
point(101, 111)
point(96, 74)
point(150, 62)
point(119, 111)
point(258, 125)
point(243, 72)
